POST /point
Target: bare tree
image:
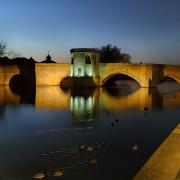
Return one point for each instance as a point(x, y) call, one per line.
point(11, 54)
point(3, 49)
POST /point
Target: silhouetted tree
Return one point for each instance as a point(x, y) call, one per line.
point(2, 49)
point(8, 53)
point(11, 54)
point(113, 55)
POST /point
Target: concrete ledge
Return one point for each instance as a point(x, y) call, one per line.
point(164, 164)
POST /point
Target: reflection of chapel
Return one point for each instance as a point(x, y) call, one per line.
point(48, 59)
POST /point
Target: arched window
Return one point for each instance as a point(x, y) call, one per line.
point(72, 60)
point(88, 59)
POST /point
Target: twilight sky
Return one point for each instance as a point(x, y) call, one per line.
point(149, 30)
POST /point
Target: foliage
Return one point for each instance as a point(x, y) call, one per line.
point(113, 54)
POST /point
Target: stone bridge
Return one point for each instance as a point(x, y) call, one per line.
point(147, 75)
point(43, 74)
point(40, 74)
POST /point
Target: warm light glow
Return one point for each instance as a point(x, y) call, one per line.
point(52, 97)
point(84, 64)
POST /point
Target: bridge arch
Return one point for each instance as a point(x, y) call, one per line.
point(18, 83)
point(65, 82)
point(170, 76)
point(109, 76)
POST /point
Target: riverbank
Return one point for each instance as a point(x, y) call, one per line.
point(164, 164)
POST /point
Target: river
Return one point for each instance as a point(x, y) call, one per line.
point(84, 134)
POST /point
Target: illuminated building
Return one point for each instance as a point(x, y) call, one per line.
point(84, 62)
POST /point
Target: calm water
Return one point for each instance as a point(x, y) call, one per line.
point(95, 134)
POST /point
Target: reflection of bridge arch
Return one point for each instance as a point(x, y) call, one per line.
point(109, 76)
point(137, 100)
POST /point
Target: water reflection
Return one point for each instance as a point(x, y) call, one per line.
point(8, 97)
point(52, 97)
point(84, 105)
point(140, 99)
point(123, 88)
point(83, 133)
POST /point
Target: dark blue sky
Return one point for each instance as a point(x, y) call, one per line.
point(149, 30)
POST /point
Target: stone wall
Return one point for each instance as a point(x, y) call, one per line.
point(51, 74)
point(7, 72)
